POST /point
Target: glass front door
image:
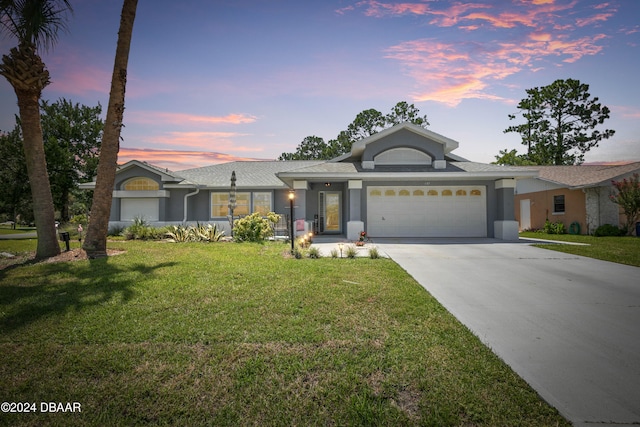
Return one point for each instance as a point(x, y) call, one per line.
point(330, 218)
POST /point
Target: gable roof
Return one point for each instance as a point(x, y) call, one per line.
point(583, 175)
point(165, 174)
point(249, 174)
point(359, 146)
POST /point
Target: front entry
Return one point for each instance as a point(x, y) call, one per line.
point(329, 211)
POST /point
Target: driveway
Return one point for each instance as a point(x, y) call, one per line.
point(568, 325)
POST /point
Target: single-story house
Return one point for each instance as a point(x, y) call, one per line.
point(577, 196)
point(401, 182)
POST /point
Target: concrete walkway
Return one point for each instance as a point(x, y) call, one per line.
point(568, 325)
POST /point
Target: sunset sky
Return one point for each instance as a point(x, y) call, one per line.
point(214, 81)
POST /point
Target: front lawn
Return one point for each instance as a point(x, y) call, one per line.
point(239, 334)
point(623, 250)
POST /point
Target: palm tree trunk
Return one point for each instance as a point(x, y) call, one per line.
point(26, 72)
point(95, 243)
point(43, 210)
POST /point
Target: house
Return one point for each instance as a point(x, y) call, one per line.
point(401, 182)
point(577, 196)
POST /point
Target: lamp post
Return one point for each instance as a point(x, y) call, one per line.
point(232, 198)
point(292, 195)
point(340, 246)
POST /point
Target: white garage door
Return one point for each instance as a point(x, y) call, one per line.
point(427, 211)
point(147, 208)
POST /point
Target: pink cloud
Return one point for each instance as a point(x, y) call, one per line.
point(583, 22)
point(226, 141)
point(154, 117)
point(177, 159)
point(80, 81)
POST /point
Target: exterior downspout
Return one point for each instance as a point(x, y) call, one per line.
point(184, 220)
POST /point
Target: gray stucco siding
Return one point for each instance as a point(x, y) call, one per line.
point(404, 138)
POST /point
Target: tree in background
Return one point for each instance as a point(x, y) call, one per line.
point(72, 134)
point(366, 123)
point(512, 158)
point(34, 24)
point(560, 122)
point(626, 194)
point(15, 197)
point(95, 243)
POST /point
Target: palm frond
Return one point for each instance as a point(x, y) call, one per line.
point(35, 22)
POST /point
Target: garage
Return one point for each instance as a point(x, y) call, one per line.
point(427, 211)
point(145, 208)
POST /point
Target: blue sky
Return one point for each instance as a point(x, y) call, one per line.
point(213, 81)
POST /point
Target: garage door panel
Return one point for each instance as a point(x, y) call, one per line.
point(146, 208)
point(426, 212)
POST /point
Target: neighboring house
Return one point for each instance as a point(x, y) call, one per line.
point(401, 182)
point(572, 195)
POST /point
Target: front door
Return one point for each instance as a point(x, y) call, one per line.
point(329, 207)
point(525, 214)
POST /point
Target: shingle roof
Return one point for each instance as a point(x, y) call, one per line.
point(583, 175)
point(249, 174)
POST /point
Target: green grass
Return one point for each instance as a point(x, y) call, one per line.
point(623, 250)
point(239, 334)
point(18, 230)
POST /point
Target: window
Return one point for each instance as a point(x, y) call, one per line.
point(432, 193)
point(461, 193)
point(447, 193)
point(262, 203)
point(558, 204)
point(141, 184)
point(220, 204)
point(404, 193)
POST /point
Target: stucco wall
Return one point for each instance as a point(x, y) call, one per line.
point(541, 203)
point(404, 138)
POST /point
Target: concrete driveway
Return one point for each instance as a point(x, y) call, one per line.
point(568, 325)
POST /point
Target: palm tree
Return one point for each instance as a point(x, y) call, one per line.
point(95, 243)
point(34, 24)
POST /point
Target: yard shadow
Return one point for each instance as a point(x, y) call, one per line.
point(78, 286)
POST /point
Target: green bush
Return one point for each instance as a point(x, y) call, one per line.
point(374, 253)
point(554, 227)
point(314, 252)
point(351, 251)
point(141, 230)
point(254, 227)
point(608, 230)
point(198, 233)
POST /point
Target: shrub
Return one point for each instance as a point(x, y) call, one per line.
point(115, 230)
point(334, 253)
point(198, 233)
point(351, 251)
point(254, 228)
point(554, 227)
point(208, 233)
point(179, 234)
point(314, 252)
point(79, 219)
point(374, 253)
point(141, 230)
point(609, 230)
